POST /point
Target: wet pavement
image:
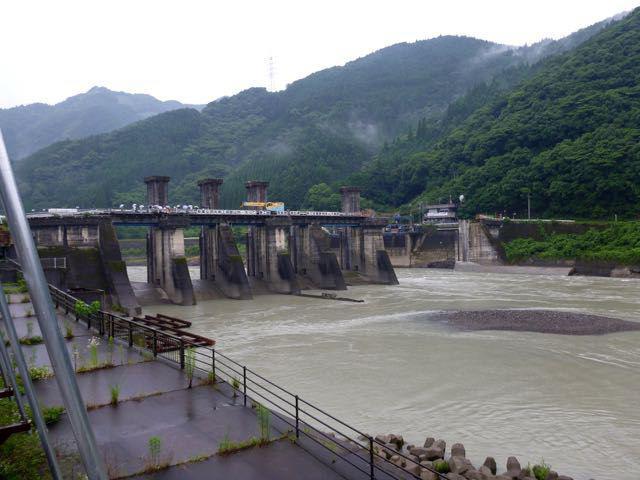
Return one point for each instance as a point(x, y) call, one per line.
point(154, 401)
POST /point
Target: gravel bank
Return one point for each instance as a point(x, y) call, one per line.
point(542, 321)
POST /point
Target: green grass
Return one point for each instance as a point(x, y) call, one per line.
point(21, 456)
point(114, 391)
point(226, 446)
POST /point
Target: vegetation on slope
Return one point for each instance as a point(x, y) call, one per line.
point(619, 243)
point(569, 136)
point(28, 128)
point(320, 129)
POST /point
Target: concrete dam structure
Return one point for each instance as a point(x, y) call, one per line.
point(285, 251)
point(442, 245)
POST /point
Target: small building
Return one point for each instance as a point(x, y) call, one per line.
point(441, 213)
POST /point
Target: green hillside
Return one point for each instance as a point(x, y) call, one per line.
point(29, 128)
point(569, 135)
point(320, 129)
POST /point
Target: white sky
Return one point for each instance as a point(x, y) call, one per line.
point(196, 51)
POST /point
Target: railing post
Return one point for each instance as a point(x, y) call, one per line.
point(297, 419)
point(100, 325)
point(155, 343)
point(111, 326)
point(244, 384)
point(371, 472)
point(130, 334)
point(182, 355)
point(213, 362)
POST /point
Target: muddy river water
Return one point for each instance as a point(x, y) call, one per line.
point(386, 366)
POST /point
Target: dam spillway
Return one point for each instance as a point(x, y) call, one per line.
point(286, 250)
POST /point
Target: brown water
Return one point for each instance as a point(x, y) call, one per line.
point(384, 366)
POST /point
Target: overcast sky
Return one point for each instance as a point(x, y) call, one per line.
point(196, 51)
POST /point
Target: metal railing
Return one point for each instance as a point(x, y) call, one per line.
point(46, 316)
point(54, 263)
point(361, 451)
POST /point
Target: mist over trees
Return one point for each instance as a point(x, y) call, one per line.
point(411, 122)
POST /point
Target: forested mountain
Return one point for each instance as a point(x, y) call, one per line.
point(29, 128)
point(568, 135)
point(320, 129)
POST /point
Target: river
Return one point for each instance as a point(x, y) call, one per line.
point(385, 367)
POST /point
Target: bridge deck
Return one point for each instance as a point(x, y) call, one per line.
point(204, 217)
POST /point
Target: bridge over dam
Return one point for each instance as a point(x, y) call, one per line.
point(286, 251)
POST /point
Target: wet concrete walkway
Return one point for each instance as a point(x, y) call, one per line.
point(154, 401)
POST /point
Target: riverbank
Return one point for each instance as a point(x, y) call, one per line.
point(540, 321)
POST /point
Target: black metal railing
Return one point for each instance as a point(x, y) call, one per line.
point(361, 451)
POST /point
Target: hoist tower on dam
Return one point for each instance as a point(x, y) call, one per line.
point(286, 251)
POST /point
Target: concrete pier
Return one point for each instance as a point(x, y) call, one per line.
point(85, 254)
point(166, 262)
point(361, 249)
point(313, 258)
point(268, 249)
point(256, 191)
point(220, 260)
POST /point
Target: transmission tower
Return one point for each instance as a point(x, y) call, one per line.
point(271, 73)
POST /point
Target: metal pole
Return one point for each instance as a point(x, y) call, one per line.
point(41, 426)
point(9, 375)
point(529, 205)
point(297, 419)
point(372, 473)
point(244, 385)
point(56, 348)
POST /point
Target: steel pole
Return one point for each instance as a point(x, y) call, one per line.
point(47, 319)
point(29, 391)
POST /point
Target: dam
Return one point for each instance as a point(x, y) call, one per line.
point(287, 251)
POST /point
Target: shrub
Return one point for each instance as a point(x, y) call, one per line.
point(115, 394)
point(264, 422)
point(441, 466)
point(155, 447)
point(39, 373)
point(52, 414)
point(541, 470)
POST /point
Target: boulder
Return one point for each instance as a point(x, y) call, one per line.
point(436, 450)
point(413, 468)
point(382, 438)
point(457, 450)
point(428, 442)
point(459, 465)
point(422, 457)
point(418, 451)
point(513, 465)
point(455, 476)
point(473, 474)
point(490, 463)
point(486, 471)
point(552, 475)
point(391, 447)
point(564, 477)
point(428, 475)
point(397, 440)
